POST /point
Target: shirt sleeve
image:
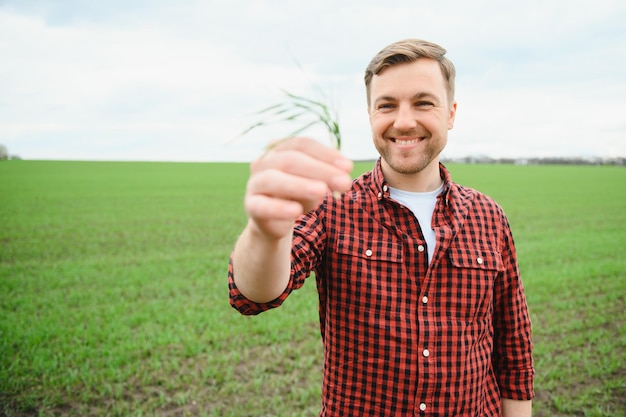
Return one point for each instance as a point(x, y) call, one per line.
point(306, 251)
point(246, 306)
point(512, 360)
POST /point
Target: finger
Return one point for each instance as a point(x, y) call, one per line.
point(314, 149)
point(278, 184)
point(304, 165)
point(263, 208)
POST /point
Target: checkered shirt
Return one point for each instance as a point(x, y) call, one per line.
point(402, 337)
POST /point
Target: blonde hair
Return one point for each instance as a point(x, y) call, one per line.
point(410, 50)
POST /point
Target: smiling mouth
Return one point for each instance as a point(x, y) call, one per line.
point(407, 141)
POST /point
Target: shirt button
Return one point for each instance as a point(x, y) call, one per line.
point(425, 300)
point(479, 260)
point(422, 407)
point(380, 195)
point(368, 252)
point(420, 248)
point(385, 188)
point(426, 353)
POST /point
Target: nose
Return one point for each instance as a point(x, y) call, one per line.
point(405, 119)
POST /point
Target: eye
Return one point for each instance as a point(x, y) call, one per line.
point(385, 106)
point(424, 104)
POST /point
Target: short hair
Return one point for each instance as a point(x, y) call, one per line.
point(406, 51)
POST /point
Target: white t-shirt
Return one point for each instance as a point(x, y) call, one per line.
point(422, 205)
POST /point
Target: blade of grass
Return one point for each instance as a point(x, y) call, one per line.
point(288, 112)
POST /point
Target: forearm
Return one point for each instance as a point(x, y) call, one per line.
point(291, 178)
point(261, 265)
point(516, 408)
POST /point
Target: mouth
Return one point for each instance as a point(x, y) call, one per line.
point(407, 141)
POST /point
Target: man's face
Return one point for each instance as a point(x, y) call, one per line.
point(410, 115)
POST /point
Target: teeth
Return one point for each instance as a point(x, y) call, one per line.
point(406, 142)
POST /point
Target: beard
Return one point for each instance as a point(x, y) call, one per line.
point(412, 161)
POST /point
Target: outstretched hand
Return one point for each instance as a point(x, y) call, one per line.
point(291, 178)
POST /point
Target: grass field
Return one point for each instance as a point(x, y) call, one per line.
point(113, 294)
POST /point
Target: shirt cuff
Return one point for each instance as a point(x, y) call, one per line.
point(246, 306)
point(517, 384)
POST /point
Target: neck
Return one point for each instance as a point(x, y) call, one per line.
point(428, 179)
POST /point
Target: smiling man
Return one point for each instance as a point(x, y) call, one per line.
point(422, 308)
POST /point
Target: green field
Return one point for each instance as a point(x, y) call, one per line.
point(114, 302)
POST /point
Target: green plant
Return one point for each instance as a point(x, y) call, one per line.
point(300, 108)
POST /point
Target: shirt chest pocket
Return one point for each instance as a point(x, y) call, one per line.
point(368, 248)
point(467, 290)
point(367, 273)
point(476, 258)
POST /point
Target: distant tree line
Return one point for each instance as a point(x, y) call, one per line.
point(556, 160)
point(482, 159)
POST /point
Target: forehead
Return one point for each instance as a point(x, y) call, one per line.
point(421, 76)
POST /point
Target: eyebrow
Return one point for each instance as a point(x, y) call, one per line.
point(419, 96)
point(425, 94)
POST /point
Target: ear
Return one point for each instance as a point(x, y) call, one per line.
point(452, 115)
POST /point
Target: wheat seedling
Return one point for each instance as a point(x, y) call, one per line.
point(296, 108)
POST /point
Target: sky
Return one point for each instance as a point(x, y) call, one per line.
point(156, 80)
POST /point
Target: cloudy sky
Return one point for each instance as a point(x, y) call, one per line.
point(179, 80)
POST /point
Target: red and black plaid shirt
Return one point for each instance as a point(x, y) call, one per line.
point(402, 337)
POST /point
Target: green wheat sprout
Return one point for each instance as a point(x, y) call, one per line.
point(296, 108)
point(299, 108)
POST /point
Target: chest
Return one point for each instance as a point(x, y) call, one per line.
point(378, 265)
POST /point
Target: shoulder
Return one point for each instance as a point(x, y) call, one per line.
point(476, 201)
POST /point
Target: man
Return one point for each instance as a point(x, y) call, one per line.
point(422, 309)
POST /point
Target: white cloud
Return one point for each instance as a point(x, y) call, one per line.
point(178, 81)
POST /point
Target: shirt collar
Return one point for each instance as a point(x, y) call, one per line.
point(381, 188)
